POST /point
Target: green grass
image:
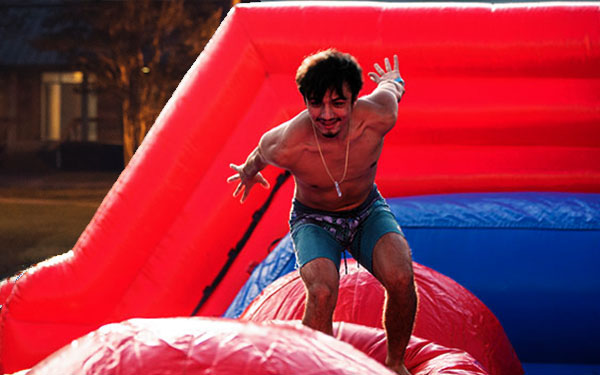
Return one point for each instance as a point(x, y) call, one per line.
point(43, 215)
point(71, 194)
point(32, 232)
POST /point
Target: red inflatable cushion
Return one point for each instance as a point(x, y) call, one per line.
point(421, 357)
point(448, 314)
point(197, 346)
point(203, 346)
point(6, 287)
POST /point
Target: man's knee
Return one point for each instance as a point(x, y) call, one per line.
point(321, 294)
point(399, 282)
point(321, 280)
point(397, 274)
point(392, 260)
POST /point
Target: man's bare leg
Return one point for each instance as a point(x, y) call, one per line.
point(392, 265)
point(321, 281)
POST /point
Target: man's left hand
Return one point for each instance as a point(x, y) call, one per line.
point(392, 74)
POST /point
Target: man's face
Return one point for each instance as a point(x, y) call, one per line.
point(332, 114)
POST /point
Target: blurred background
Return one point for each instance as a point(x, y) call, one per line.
point(81, 83)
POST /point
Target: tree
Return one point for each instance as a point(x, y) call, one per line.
point(138, 50)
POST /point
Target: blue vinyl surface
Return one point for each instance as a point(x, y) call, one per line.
point(532, 258)
point(560, 369)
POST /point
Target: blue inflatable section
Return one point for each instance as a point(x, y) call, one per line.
point(279, 262)
point(532, 258)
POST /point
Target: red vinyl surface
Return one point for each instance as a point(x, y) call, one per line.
point(201, 346)
point(448, 314)
point(499, 98)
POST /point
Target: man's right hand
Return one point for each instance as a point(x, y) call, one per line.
point(246, 182)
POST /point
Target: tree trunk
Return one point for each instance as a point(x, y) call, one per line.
point(136, 124)
point(129, 139)
point(133, 130)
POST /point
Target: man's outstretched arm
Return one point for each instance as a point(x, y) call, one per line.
point(276, 147)
point(383, 101)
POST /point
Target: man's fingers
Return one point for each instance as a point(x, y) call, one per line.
point(233, 178)
point(380, 72)
point(388, 66)
point(238, 189)
point(263, 182)
point(374, 77)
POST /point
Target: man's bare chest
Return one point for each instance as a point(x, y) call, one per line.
point(318, 169)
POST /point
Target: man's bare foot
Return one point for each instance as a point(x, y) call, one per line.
point(399, 368)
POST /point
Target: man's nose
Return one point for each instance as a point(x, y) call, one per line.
point(327, 112)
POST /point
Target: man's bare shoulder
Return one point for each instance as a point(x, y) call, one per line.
point(282, 145)
point(288, 133)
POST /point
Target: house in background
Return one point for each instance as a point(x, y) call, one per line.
point(47, 107)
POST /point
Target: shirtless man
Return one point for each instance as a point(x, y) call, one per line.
point(336, 203)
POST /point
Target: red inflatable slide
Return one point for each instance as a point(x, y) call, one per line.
point(499, 98)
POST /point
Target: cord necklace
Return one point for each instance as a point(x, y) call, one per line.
point(335, 183)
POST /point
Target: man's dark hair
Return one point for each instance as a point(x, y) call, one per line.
point(328, 69)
